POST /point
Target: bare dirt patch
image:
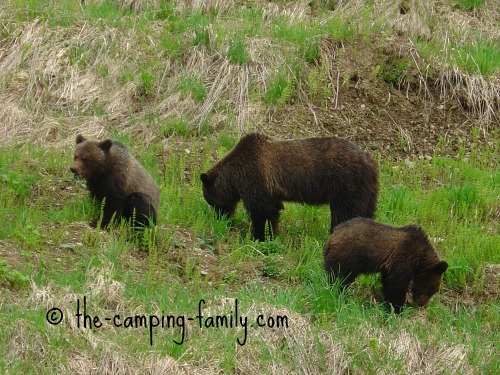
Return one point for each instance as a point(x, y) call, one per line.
point(408, 116)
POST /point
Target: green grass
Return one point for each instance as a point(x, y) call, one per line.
point(478, 54)
point(236, 51)
point(468, 5)
point(481, 56)
point(194, 87)
point(280, 89)
point(455, 205)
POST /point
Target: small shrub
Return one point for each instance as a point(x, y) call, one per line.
point(272, 267)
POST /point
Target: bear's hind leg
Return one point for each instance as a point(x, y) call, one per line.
point(339, 214)
point(139, 208)
point(274, 217)
point(258, 226)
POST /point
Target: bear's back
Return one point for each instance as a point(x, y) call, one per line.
point(137, 178)
point(314, 170)
point(367, 240)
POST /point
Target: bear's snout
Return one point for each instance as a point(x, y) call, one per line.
point(422, 300)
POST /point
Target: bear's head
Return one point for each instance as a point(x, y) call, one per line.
point(90, 157)
point(218, 194)
point(426, 284)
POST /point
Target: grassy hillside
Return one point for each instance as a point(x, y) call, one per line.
point(415, 83)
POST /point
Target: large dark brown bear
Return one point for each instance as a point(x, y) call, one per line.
point(403, 256)
point(263, 173)
point(115, 176)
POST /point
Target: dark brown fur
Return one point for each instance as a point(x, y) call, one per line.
point(265, 173)
point(402, 255)
point(114, 175)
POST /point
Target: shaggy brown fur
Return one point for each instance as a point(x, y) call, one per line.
point(403, 255)
point(115, 176)
point(264, 173)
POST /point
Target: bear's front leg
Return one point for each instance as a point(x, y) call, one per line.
point(260, 218)
point(394, 290)
point(339, 214)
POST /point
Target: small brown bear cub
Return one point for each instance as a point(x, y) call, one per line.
point(403, 256)
point(263, 173)
point(115, 176)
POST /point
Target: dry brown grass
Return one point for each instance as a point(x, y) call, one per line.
point(112, 361)
point(408, 17)
point(295, 345)
point(39, 79)
point(476, 94)
point(292, 350)
point(473, 93)
point(52, 79)
point(133, 5)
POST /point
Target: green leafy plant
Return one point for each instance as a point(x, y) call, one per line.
point(12, 276)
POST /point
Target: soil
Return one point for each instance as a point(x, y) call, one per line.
point(400, 118)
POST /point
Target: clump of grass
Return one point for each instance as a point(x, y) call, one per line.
point(395, 207)
point(280, 89)
point(19, 185)
point(481, 56)
point(395, 73)
point(12, 276)
point(105, 10)
point(272, 266)
point(236, 51)
point(147, 80)
point(172, 44)
point(463, 199)
point(318, 85)
point(468, 5)
point(201, 36)
point(194, 87)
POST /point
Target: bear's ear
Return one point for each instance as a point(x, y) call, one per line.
point(206, 179)
point(440, 268)
point(105, 145)
point(80, 138)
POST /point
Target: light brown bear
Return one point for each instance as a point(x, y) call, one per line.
point(114, 176)
point(264, 173)
point(402, 255)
